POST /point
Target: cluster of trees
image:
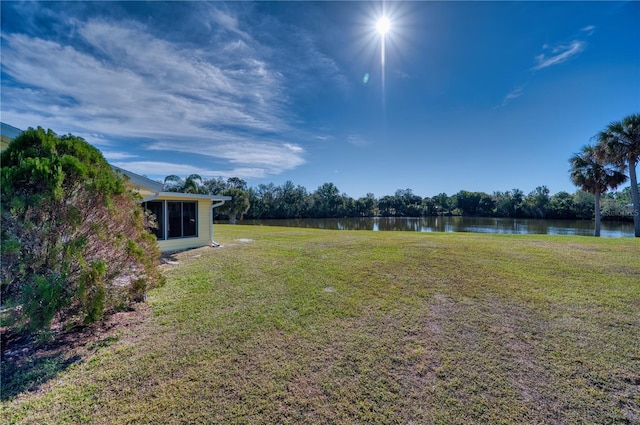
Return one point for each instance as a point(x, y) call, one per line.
point(74, 240)
point(288, 201)
point(600, 167)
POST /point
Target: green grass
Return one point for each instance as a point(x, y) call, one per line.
point(317, 326)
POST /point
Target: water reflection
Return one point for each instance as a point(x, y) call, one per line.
point(458, 224)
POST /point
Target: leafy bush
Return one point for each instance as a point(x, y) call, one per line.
point(74, 241)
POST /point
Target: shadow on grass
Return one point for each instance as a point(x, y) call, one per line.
point(26, 366)
point(29, 373)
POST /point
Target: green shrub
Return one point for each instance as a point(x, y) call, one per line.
point(74, 241)
point(42, 298)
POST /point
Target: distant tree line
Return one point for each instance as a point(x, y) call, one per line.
point(290, 201)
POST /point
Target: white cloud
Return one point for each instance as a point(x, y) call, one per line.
point(228, 22)
point(152, 168)
point(294, 148)
point(271, 157)
point(116, 156)
point(158, 170)
point(139, 94)
point(323, 138)
point(400, 73)
point(116, 82)
point(126, 84)
point(589, 29)
point(513, 94)
point(275, 157)
point(559, 54)
point(242, 172)
point(357, 140)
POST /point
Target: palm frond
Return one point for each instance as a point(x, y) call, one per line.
point(593, 174)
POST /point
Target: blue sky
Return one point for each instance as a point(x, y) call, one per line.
point(481, 96)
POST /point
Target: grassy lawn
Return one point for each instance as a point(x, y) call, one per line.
point(285, 325)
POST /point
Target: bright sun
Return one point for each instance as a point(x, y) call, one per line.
point(383, 25)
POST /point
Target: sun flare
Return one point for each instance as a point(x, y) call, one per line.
point(383, 25)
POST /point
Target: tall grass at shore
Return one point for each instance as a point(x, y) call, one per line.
point(285, 325)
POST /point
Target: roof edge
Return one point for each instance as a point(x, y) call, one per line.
point(139, 180)
point(194, 196)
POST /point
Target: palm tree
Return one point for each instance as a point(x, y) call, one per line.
point(192, 184)
point(173, 183)
point(620, 145)
point(593, 175)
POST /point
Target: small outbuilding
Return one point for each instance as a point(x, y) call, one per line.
point(184, 220)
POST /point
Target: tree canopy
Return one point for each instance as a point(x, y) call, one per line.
point(594, 175)
point(619, 144)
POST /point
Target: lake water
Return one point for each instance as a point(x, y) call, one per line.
point(609, 229)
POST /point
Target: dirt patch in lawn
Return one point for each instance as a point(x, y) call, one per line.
point(28, 364)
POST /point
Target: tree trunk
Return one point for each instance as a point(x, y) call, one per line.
point(635, 198)
point(596, 231)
